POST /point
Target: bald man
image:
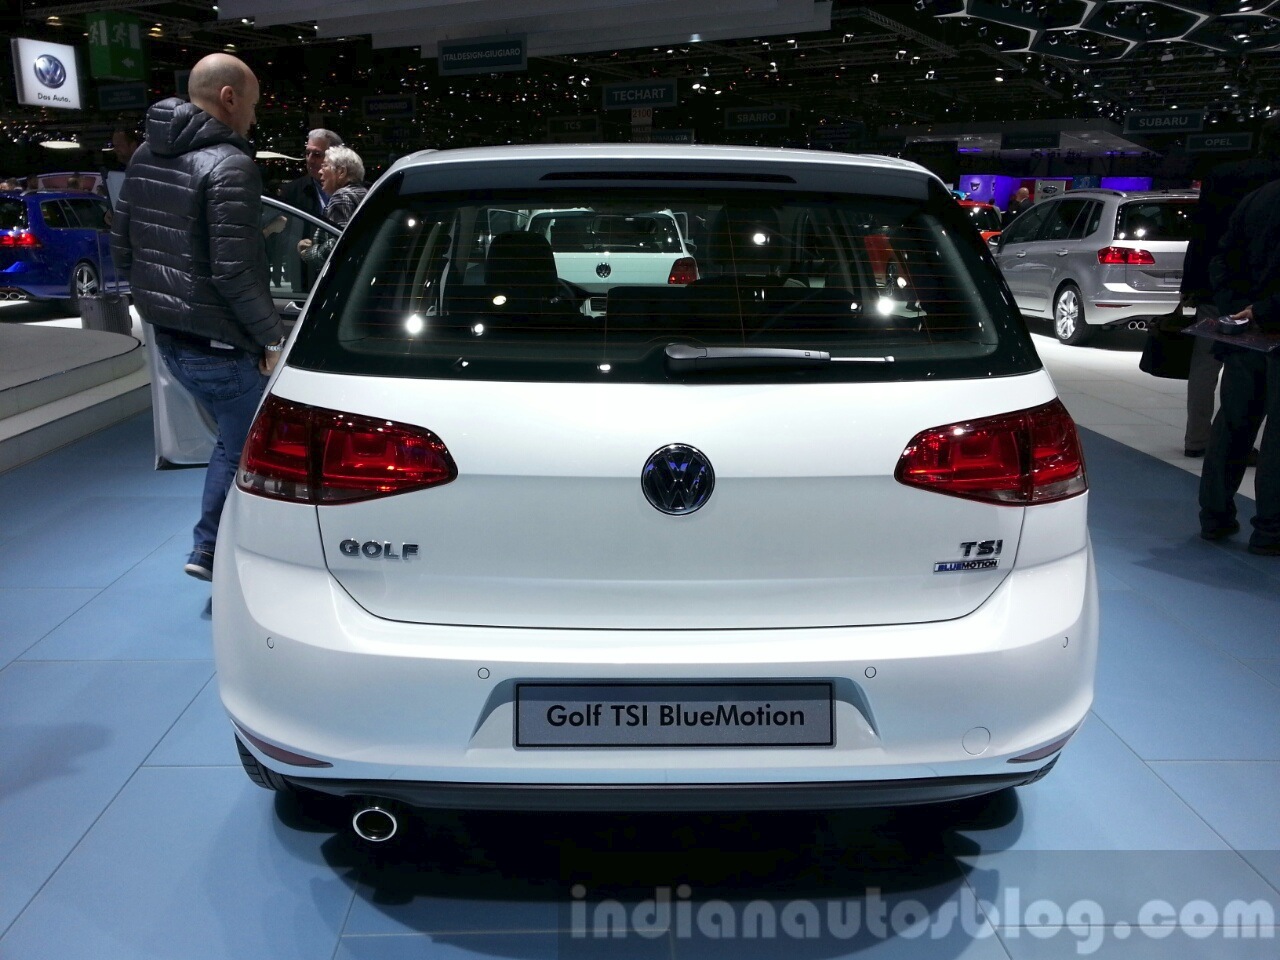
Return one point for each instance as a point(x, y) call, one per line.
point(186, 234)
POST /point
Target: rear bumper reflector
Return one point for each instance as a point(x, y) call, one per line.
point(280, 753)
point(1044, 751)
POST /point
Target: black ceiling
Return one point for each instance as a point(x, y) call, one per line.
point(882, 64)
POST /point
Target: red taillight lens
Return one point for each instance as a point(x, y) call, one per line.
point(19, 238)
point(313, 455)
point(1125, 256)
point(684, 270)
point(1014, 459)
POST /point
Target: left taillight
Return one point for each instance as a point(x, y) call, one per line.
point(22, 239)
point(307, 454)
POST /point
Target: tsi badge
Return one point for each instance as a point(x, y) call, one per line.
point(978, 555)
point(376, 550)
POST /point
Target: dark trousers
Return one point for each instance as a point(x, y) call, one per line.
point(1250, 391)
point(1202, 386)
point(228, 385)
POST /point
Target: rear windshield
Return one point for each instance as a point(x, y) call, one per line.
point(1155, 220)
point(984, 218)
point(13, 214)
point(596, 283)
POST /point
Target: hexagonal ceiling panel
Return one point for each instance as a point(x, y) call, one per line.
point(1087, 31)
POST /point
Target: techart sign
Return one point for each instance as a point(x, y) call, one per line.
point(650, 93)
point(46, 74)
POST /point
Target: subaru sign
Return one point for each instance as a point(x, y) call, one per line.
point(1170, 121)
point(46, 74)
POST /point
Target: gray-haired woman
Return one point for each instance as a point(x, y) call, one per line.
point(342, 176)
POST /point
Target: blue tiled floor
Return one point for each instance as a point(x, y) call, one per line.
point(128, 830)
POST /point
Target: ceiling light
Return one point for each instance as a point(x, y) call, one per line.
point(60, 144)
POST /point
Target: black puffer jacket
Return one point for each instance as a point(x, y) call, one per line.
point(186, 230)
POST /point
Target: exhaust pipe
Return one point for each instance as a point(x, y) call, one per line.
point(375, 824)
point(1137, 324)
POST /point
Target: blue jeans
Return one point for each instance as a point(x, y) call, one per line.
point(228, 385)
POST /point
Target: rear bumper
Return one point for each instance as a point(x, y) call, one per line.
point(425, 713)
point(1120, 303)
point(669, 798)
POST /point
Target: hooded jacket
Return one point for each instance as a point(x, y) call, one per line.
point(186, 231)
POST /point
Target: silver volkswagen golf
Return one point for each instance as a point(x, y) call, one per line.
point(1098, 258)
point(785, 530)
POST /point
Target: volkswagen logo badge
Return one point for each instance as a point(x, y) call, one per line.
point(50, 71)
point(603, 270)
point(677, 479)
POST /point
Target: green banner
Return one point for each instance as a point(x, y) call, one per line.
point(115, 47)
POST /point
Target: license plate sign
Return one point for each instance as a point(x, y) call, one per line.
point(726, 714)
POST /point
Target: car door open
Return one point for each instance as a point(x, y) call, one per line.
point(184, 434)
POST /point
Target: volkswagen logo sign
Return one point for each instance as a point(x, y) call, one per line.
point(50, 71)
point(677, 479)
point(603, 270)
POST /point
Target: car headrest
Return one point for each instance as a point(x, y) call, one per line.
point(569, 234)
point(746, 241)
point(521, 265)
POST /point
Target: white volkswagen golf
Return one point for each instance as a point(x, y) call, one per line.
point(787, 534)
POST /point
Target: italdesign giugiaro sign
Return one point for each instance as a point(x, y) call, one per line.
point(507, 54)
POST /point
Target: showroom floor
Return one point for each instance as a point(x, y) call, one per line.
point(129, 831)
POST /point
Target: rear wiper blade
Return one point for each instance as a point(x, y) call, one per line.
point(684, 357)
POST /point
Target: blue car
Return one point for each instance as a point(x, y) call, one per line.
point(56, 245)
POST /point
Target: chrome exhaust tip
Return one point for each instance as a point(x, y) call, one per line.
point(375, 824)
point(1137, 324)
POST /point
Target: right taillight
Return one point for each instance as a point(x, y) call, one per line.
point(684, 270)
point(1014, 459)
point(1126, 256)
point(314, 455)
